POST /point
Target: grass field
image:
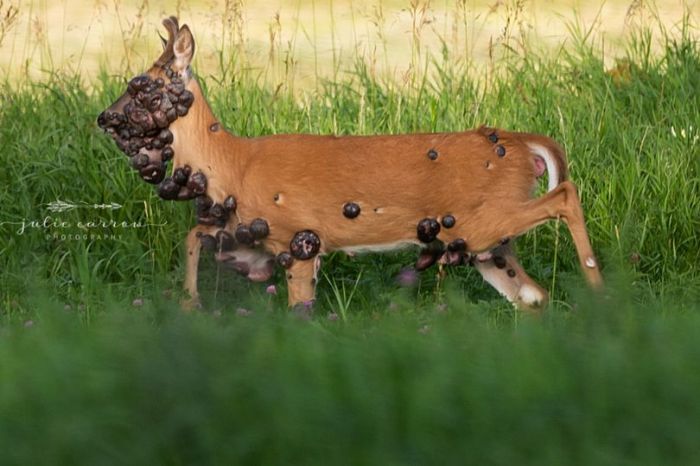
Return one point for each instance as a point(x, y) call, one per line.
point(99, 366)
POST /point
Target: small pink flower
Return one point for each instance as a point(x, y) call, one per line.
point(407, 277)
point(272, 289)
point(308, 305)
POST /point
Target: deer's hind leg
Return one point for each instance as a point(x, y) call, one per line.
point(562, 202)
point(503, 271)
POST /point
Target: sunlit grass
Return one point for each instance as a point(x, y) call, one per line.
point(296, 44)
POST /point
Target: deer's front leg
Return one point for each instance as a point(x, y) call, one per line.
point(194, 246)
point(301, 281)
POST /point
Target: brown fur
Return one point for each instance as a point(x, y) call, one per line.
point(298, 182)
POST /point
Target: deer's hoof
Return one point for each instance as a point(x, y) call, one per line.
point(191, 304)
point(531, 299)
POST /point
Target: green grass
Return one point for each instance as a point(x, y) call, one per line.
point(154, 386)
point(443, 373)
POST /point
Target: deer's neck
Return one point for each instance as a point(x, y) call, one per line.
point(201, 142)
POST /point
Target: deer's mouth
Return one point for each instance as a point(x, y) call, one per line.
point(140, 126)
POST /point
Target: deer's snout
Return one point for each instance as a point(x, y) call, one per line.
point(109, 119)
point(102, 120)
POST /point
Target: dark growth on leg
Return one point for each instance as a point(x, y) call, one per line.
point(499, 261)
point(225, 240)
point(285, 260)
point(208, 241)
point(305, 245)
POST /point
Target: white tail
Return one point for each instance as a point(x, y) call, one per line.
point(551, 161)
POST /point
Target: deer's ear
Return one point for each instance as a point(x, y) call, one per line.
point(183, 49)
point(172, 28)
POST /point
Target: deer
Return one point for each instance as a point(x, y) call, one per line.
point(289, 199)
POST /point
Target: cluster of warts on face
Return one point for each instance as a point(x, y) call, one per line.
point(152, 107)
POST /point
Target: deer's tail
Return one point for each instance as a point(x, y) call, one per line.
point(553, 157)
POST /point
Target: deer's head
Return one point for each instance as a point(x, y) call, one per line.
point(140, 119)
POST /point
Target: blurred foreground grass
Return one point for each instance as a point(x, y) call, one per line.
point(613, 383)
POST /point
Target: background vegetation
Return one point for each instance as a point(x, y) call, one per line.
point(98, 365)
